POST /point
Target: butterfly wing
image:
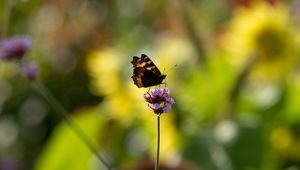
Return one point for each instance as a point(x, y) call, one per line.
point(145, 72)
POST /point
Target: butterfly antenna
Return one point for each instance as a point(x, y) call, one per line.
point(166, 71)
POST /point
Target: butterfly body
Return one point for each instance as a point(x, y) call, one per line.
point(145, 72)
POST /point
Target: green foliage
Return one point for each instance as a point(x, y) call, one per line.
point(65, 150)
point(229, 113)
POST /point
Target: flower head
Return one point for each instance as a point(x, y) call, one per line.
point(264, 30)
point(14, 48)
point(159, 100)
point(29, 71)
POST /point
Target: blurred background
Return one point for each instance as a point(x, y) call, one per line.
point(232, 67)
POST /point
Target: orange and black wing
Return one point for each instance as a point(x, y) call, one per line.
point(145, 72)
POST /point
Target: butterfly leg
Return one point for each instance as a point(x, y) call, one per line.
point(149, 90)
point(164, 83)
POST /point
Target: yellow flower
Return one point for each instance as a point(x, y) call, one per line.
point(103, 66)
point(173, 51)
point(264, 30)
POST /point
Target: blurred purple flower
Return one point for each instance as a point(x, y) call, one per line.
point(14, 48)
point(29, 71)
point(159, 100)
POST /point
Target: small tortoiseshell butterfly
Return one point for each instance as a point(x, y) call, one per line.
point(145, 72)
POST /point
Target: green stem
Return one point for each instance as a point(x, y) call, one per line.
point(158, 143)
point(58, 108)
point(239, 84)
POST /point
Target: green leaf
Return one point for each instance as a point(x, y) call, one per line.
point(65, 150)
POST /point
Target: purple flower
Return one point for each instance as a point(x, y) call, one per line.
point(159, 100)
point(29, 71)
point(14, 48)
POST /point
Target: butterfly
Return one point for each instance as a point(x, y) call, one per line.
point(145, 72)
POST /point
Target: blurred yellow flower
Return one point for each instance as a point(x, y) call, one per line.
point(103, 66)
point(264, 30)
point(175, 50)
